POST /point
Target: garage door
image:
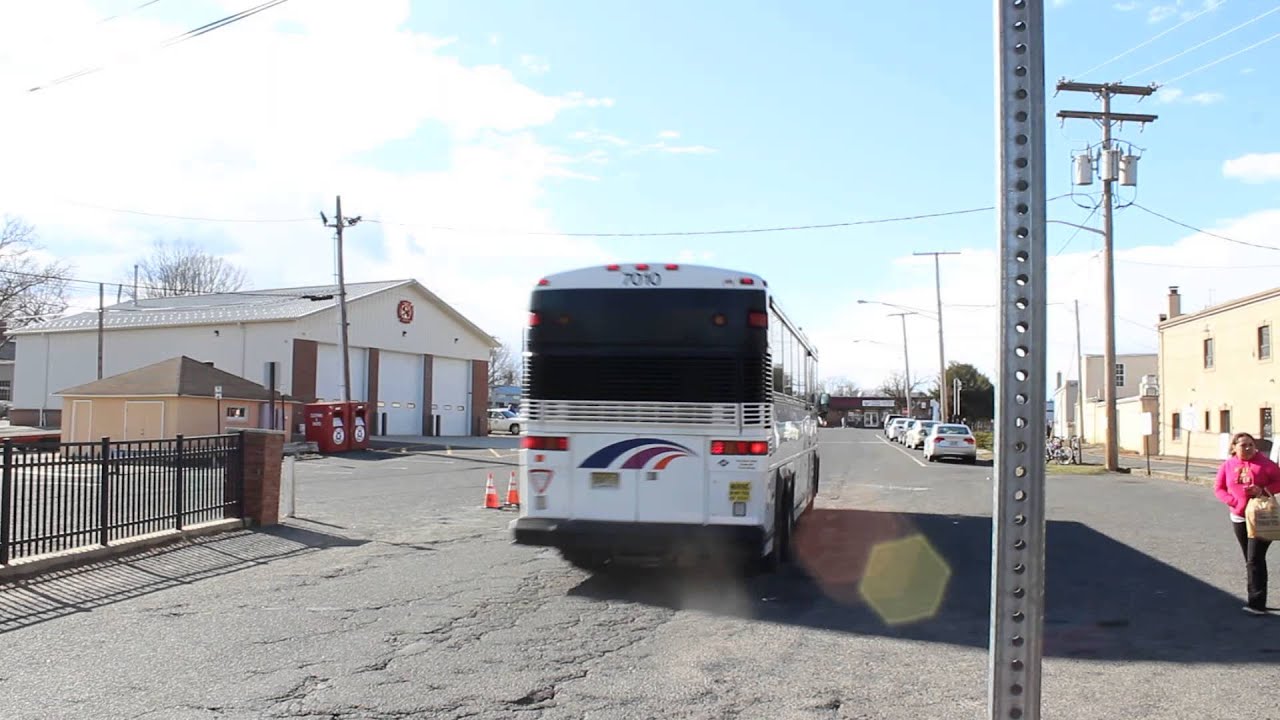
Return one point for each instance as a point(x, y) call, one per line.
point(329, 372)
point(450, 385)
point(143, 419)
point(400, 392)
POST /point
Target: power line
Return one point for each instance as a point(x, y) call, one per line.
point(1197, 46)
point(1150, 40)
point(1202, 231)
point(188, 35)
point(1089, 217)
point(1225, 58)
point(190, 217)
point(130, 11)
point(687, 233)
point(169, 291)
point(1194, 267)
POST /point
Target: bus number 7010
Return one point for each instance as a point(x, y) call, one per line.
point(638, 279)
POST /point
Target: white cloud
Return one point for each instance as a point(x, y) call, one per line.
point(597, 137)
point(686, 149)
point(535, 64)
point(245, 124)
point(669, 135)
point(1173, 94)
point(1253, 168)
point(1160, 13)
point(1206, 269)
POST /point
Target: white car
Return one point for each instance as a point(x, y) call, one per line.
point(892, 429)
point(951, 440)
point(915, 437)
point(888, 423)
point(503, 420)
point(907, 426)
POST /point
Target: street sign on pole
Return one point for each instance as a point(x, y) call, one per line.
point(1018, 516)
point(217, 392)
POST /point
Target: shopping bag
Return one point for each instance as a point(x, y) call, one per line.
point(1262, 515)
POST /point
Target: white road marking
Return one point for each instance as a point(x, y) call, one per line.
point(913, 458)
point(891, 487)
point(494, 452)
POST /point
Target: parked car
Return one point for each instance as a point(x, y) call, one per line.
point(915, 437)
point(951, 440)
point(891, 430)
point(887, 421)
point(502, 420)
point(907, 426)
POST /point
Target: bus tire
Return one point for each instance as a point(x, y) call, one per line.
point(783, 524)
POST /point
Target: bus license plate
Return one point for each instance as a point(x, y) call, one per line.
point(740, 491)
point(604, 479)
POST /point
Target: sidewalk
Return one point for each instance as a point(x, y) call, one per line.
point(1200, 471)
point(421, 442)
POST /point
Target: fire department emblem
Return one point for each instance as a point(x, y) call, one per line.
point(404, 311)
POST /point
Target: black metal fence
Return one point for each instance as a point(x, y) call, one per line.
point(66, 496)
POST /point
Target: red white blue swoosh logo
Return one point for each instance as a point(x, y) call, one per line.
point(636, 453)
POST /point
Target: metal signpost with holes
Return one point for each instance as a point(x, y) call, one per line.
point(1018, 523)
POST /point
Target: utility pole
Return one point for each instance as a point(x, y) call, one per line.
point(906, 360)
point(1110, 165)
point(135, 284)
point(942, 356)
point(339, 224)
point(102, 311)
point(1080, 376)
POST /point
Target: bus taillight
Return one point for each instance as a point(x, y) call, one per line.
point(534, 320)
point(758, 319)
point(542, 442)
point(739, 447)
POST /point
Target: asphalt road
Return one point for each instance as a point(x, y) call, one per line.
point(394, 595)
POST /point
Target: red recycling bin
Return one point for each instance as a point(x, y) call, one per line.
point(327, 426)
point(359, 426)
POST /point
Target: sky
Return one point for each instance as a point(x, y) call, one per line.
point(482, 142)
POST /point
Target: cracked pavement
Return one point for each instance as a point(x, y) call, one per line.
point(394, 595)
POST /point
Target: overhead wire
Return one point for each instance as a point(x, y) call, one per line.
point(1199, 45)
point(167, 291)
point(128, 12)
point(1153, 38)
point(1225, 58)
point(188, 35)
point(1202, 231)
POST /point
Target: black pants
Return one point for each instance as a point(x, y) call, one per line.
point(1255, 564)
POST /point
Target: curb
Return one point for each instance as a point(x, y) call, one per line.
point(85, 556)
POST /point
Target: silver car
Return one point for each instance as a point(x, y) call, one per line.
point(950, 440)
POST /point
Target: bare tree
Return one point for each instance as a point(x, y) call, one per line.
point(892, 387)
point(30, 288)
point(182, 268)
point(503, 368)
point(839, 387)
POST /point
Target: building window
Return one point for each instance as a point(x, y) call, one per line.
point(237, 413)
point(1208, 353)
point(1206, 421)
point(6, 390)
point(1264, 420)
point(1264, 342)
point(1175, 425)
point(1224, 420)
point(1119, 374)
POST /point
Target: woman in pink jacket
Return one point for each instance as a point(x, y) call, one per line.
point(1244, 475)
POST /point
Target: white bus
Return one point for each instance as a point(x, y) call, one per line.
point(670, 414)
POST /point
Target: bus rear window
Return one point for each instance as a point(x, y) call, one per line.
point(640, 317)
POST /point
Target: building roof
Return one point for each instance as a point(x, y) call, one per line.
point(234, 307)
point(179, 376)
point(1220, 307)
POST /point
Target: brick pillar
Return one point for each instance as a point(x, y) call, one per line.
point(263, 453)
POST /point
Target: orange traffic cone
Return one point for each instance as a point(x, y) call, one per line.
point(491, 495)
point(513, 491)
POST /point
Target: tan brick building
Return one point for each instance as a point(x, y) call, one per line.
point(1217, 373)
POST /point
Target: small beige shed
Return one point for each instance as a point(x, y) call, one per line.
point(178, 396)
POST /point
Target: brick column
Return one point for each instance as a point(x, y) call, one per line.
point(263, 453)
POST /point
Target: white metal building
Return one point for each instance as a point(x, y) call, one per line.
point(419, 362)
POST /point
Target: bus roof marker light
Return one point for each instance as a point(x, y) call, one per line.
point(544, 282)
point(672, 266)
point(747, 281)
point(614, 267)
point(642, 267)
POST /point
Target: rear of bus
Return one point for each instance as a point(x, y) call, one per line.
point(648, 413)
